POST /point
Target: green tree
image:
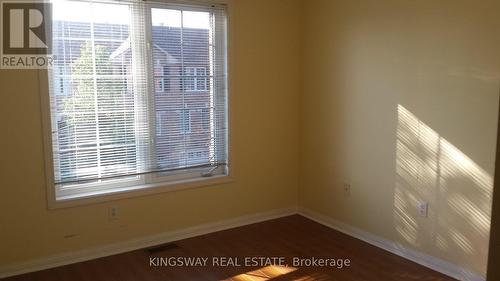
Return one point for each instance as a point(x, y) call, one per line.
point(91, 82)
point(86, 80)
point(100, 114)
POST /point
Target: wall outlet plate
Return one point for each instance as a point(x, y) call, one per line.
point(113, 213)
point(423, 208)
point(347, 189)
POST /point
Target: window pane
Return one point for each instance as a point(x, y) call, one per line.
point(94, 105)
point(181, 42)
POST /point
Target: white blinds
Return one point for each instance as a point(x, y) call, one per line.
point(137, 88)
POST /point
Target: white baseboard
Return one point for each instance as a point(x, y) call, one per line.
point(431, 262)
point(122, 247)
point(436, 264)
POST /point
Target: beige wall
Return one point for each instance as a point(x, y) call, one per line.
point(264, 90)
point(400, 99)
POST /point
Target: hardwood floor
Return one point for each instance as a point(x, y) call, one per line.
point(289, 237)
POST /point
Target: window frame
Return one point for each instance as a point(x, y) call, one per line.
point(165, 80)
point(196, 79)
point(185, 117)
point(141, 184)
point(160, 116)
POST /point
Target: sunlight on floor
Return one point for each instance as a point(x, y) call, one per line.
point(262, 274)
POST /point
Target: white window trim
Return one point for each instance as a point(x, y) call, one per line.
point(196, 78)
point(160, 116)
point(145, 184)
point(186, 112)
point(163, 81)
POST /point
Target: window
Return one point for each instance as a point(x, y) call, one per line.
point(161, 129)
point(110, 127)
point(186, 121)
point(164, 82)
point(205, 119)
point(196, 79)
point(197, 156)
point(166, 79)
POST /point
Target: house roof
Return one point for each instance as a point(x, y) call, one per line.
point(194, 41)
point(125, 47)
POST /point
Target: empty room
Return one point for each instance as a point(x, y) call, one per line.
point(176, 140)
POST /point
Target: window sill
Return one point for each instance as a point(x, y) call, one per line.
point(136, 191)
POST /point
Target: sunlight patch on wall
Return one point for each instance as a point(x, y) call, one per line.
point(459, 192)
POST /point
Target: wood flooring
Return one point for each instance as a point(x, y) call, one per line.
point(286, 238)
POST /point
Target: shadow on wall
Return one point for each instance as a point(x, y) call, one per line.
point(459, 192)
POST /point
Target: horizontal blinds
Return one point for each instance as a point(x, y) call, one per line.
point(136, 89)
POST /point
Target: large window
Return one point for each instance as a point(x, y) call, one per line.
point(112, 125)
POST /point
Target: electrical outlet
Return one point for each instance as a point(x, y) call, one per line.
point(347, 189)
point(113, 213)
point(423, 208)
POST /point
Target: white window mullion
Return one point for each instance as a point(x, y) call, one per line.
point(150, 84)
point(96, 100)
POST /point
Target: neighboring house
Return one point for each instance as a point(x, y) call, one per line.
point(181, 82)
